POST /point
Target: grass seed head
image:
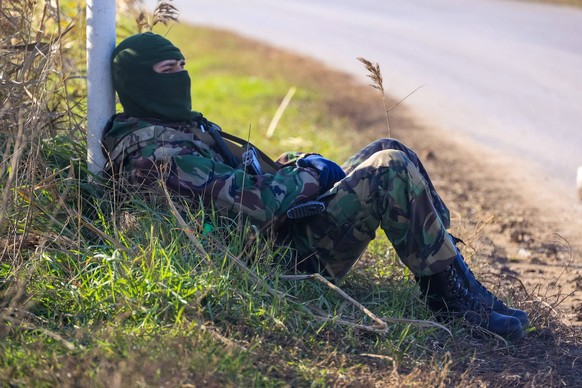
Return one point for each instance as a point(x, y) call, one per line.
point(374, 73)
point(164, 13)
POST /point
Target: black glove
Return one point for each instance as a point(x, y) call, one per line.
point(329, 171)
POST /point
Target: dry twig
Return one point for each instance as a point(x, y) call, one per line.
point(202, 251)
point(381, 323)
point(279, 113)
point(197, 245)
point(8, 315)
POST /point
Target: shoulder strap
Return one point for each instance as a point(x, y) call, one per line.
point(236, 147)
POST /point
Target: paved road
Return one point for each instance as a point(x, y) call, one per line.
point(508, 74)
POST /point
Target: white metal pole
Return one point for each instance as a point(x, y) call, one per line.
point(100, 94)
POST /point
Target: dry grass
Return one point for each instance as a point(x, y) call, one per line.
point(375, 75)
point(31, 108)
point(288, 353)
point(164, 13)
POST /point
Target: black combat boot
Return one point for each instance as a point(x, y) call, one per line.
point(448, 294)
point(488, 299)
point(476, 288)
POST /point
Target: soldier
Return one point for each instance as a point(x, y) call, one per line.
point(327, 213)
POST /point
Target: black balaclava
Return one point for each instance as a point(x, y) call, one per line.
point(144, 92)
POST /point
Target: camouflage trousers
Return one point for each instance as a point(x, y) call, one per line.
point(386, 186)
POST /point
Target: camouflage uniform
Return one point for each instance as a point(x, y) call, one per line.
point(194, 169)
point(386, 186)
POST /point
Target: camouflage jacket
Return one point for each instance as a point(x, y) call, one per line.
point(138, 148)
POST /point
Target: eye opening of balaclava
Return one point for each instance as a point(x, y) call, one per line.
point(142, 91)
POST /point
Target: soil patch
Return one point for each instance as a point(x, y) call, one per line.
point(513, 229)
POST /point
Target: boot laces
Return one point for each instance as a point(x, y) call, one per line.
point(467, 298)
point(484, 289)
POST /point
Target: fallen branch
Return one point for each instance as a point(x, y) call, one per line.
point(381, 326)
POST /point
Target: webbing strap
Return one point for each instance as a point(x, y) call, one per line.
point(233, 142)
point(236, 146)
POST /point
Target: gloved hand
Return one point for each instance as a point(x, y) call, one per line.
point(329, 171)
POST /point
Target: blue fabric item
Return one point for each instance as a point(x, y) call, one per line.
point(329, 171)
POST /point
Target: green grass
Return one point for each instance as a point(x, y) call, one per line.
point(154, 310)
point(105, 287)
point(241, 90)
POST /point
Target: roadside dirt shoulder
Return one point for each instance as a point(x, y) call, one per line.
point(515, 231)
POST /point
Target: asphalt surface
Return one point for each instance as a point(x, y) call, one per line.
point(507, 74)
